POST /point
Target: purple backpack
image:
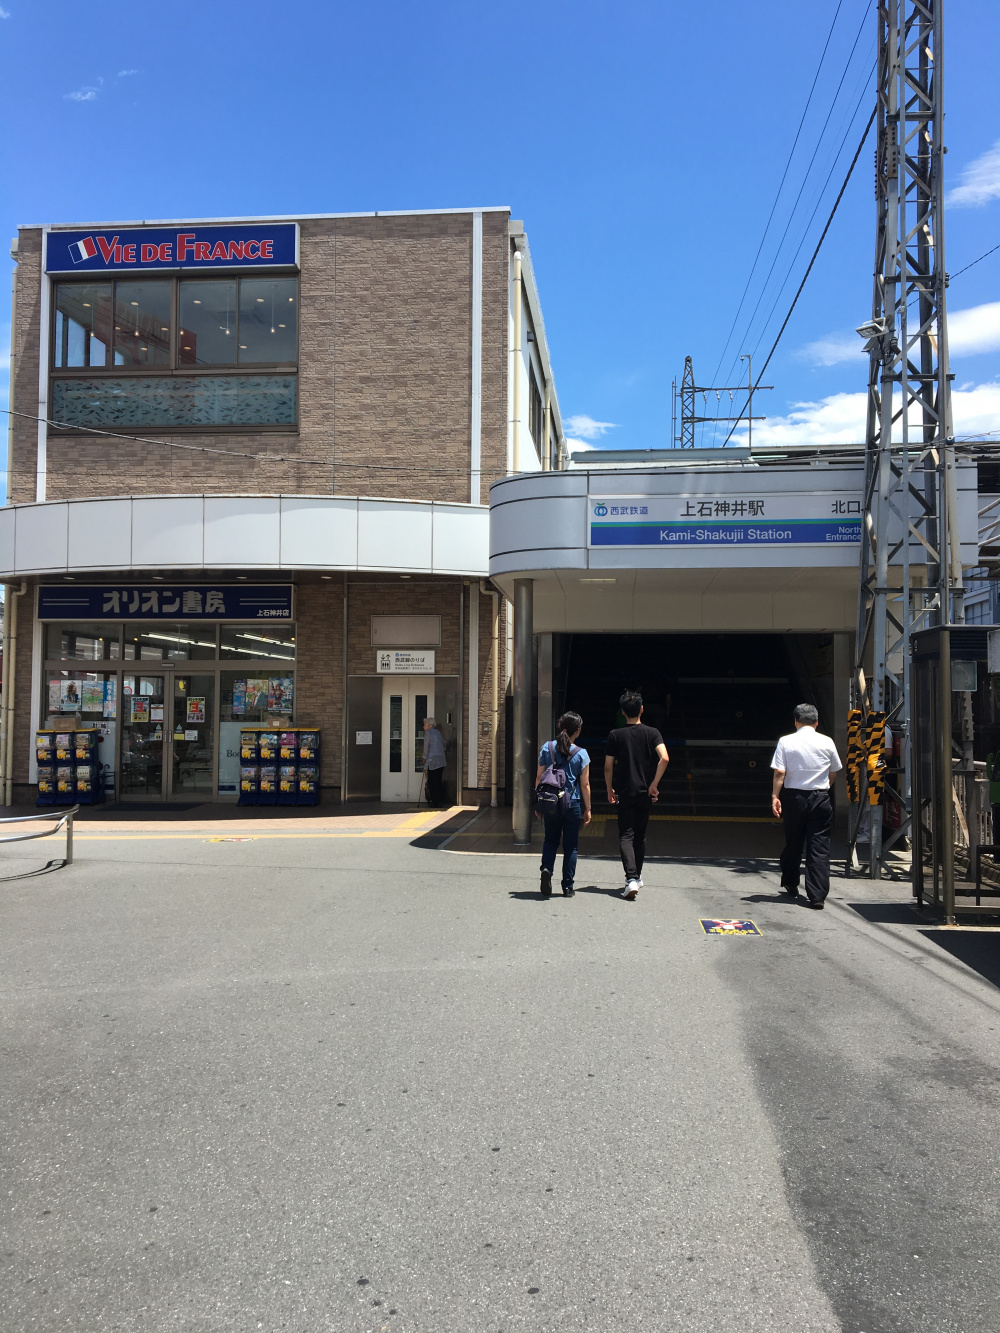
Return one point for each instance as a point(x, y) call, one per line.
point(552, 792)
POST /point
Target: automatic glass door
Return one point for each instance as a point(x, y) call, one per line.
point(406, 701)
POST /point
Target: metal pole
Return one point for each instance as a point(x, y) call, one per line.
point(69, 838)
point(947, 857)
point(748, 359)
point(524, 751)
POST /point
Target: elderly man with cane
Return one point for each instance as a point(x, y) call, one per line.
point(804, 763)
point(434, 762)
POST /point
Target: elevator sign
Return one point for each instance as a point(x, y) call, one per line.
point(405, 662)
point(816, 518)
point(183, 246)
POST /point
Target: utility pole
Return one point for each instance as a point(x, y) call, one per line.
point(908, 509)
point(689, 418)
point(749, 362)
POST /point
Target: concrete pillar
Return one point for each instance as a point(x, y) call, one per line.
point(524, 689)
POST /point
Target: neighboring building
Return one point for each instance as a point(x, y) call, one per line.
point(249, 472)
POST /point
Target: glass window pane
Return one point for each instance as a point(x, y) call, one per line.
point(83, 324)
point(176, 400)
point(240, 643)
point(169, 643)
point(81, 694)
point(90, 643)
point(246, 697)
point(142, 323)
point(207, 334)
point(267, 319)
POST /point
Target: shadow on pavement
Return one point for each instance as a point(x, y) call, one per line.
point(57, 864)
point(980, 952)
point(886, 914)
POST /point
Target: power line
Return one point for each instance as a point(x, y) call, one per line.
point(232, 453)
point(812, 261)
point(781, 185)
point(974, 262)
point(802, 187)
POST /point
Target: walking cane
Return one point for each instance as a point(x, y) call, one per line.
point(420, 793)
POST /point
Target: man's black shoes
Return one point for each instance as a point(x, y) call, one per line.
point(815, 904)
point(791, 890)
point(568, 892)
point(546, 884)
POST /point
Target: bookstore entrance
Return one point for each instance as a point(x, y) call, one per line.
point(168, 736)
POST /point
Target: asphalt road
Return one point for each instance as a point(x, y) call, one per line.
point(358, 1085)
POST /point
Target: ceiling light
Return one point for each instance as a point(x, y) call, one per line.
point(598, 580)
point(281, 326)
point(197, 302)
point(326, 576)
point(260, 300)
point(87, 304)
point(134, 303)
point(241, 576)
point(243, 347)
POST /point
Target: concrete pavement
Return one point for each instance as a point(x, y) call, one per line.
point(287, 1084)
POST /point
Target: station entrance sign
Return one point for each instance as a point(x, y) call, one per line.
point(804, 518)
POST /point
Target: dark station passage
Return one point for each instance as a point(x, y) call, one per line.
point(719, 700)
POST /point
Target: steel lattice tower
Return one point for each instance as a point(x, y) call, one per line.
point(908, 506)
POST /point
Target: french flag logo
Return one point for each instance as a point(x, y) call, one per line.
point(81, 250)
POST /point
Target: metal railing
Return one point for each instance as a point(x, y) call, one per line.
point(62, 817)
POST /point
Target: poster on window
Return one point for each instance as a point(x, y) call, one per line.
point(110, 698)
point(69, 696)
point(256, 699)
point(55, 696)
point(239, 698)
point(279, 694)
point(196, 709)
point(92, 696)
point(140, 708)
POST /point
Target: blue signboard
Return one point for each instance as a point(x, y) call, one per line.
point(185, 246)
point(757, 518)
point(166, 601)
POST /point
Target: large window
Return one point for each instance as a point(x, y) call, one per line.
point(210, 352)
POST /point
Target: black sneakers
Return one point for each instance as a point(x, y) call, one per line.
point(546, 885)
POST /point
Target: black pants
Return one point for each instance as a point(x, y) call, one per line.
point(435, 786)
point(633, 816)
point(807, 816)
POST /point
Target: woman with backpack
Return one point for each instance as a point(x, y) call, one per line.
point(562, 800)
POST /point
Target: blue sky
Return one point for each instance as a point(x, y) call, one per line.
point(642, 143)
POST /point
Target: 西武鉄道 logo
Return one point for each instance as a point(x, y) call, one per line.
point(600, 511)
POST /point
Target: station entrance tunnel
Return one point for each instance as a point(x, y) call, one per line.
point(720, 702)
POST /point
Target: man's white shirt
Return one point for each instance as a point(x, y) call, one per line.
point(807, 759)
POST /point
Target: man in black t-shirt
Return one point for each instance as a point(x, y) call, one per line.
point(642, 760)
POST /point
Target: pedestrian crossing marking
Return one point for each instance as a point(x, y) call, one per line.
point(712, 926)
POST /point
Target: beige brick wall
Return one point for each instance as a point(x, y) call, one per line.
point(385, 366)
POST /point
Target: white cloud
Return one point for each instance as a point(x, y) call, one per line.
point(979, 182)
point(840, 418)
point(577, 446)
point(587, 427)
point(970, 332)
point(974, 330)
point(4, 13)
point(124, 73)
point(82, 95)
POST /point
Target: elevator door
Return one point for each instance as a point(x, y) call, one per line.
point(406, 701)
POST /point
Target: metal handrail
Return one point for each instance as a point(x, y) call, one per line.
point(60, 816)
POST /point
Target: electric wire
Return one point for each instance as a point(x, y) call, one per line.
point(812, 261)
point(804, 183)
point(781, 185)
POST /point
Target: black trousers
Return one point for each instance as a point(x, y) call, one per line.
point(435, 786)
point(808, 817)
point(633, 816)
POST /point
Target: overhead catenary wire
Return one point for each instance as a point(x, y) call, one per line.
point(781, 186)
point(805, 181)
point(809, 268)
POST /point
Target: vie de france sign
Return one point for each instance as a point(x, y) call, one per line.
point(185, 246)
point(809, 518)
point(166, 601)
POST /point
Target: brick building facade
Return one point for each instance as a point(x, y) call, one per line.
point(324, 428)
